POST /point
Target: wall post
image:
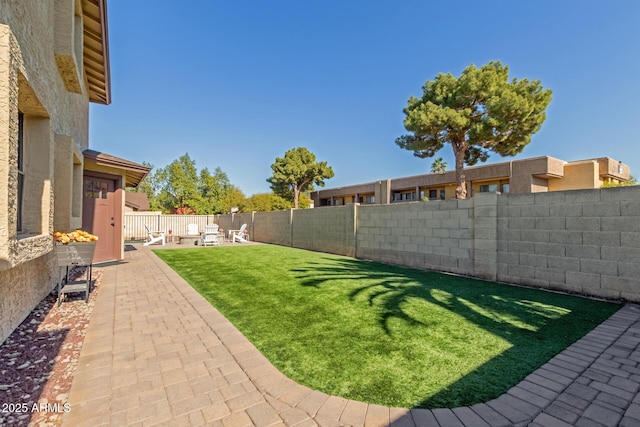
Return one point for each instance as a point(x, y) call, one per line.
point(485, 235)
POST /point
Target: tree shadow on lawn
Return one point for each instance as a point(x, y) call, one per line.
point(535, 323)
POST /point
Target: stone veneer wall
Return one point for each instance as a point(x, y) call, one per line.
point(16, 299)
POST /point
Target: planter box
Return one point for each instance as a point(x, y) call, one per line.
point(74, 253)
point(70, 255)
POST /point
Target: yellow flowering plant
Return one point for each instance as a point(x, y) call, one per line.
point(74, 236)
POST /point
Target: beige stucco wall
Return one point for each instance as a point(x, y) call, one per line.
point(67, 184)
point(577, 176)
point(32, 82)
point(534, 175)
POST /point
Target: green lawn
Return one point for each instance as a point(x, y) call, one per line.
point(385, 334)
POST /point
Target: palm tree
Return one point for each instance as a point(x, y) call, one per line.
point(439, 165)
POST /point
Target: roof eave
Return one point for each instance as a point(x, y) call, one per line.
point(96, 51)
point(134, 172)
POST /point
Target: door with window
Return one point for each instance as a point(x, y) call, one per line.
point(98, 215)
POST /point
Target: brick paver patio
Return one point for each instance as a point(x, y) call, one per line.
point(157, 353)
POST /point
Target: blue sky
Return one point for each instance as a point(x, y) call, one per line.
point(238, 83)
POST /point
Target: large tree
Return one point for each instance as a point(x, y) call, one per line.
point(180, 185)
point(297, 172)
point(439, 166)
point(215, 190)
point(264, 202)
point(233, 198)
point(478, 112)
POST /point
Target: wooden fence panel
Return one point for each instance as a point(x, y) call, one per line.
point(134, 224)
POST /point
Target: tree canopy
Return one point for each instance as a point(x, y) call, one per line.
point(264, 202)
point(180, 186)
point(478, 112)
point(297, 172)
point(439, 166)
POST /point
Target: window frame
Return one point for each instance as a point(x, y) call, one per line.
point(21, 172)
point(489, 189)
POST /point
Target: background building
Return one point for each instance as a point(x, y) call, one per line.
point(538, 174)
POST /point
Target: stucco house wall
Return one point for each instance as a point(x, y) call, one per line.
point(44, 108)
point(577, 176)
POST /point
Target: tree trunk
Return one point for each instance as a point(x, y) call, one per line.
point(461, 181)
point(296, 196)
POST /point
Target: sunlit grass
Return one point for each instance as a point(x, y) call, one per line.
point(384, 334)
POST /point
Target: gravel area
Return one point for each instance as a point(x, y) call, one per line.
point(39, 359)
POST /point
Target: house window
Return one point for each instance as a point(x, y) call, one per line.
point(403, 197)
point(489, 188)
point(370, 200)
point(505, 188)
point(435, 194)
point(33, 187)
point(20, 169)
point(95, 189)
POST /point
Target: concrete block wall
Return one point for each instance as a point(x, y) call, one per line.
point(584, 241)
point(331, 230)
point(234, 222)
point(433, 235)
point(273, 227)
point(244, 218)
point(485, 236)
point(227, 222)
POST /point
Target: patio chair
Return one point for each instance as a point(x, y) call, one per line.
point(237, 235)
point(154, 237)
point(192, 230)
point(210, 235)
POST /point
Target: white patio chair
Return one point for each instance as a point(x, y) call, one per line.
point(210, 235)
point(192, 230)
point(154, 237)
point(237, 235)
